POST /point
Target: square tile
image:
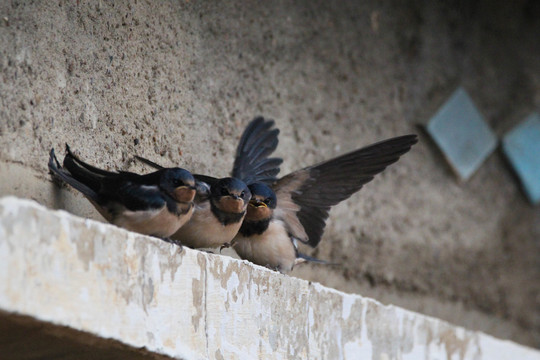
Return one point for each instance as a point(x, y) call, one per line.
point(522, 147)
point(461, 133)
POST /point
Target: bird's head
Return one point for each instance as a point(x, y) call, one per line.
point(178, 183)
point(230, 195)
point(262, 204)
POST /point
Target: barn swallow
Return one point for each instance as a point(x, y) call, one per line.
point(295, 207)
point(221, 204)
point(155, 204)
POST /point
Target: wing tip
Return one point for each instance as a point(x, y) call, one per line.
point(148, 162)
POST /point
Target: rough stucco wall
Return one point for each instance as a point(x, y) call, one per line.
point(177, 81)
point(194, 305)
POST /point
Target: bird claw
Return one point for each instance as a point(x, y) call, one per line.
point(174, 242)
point(273, 268)
point(224, 246)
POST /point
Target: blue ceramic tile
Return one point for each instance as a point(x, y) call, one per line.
point(522, 147)
point(461, 133)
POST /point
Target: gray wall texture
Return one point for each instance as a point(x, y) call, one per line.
point(177, 81)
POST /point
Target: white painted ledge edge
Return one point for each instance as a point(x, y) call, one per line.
point(98, 278)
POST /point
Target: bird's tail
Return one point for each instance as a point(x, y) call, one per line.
point(96, 171)
point(56, 169)
point(302, 258)
point(85, 173)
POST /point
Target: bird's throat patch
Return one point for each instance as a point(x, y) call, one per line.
point(258, 213)
point(231, 205)
point(184, 194)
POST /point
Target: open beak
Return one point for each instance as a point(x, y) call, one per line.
point(257, 203)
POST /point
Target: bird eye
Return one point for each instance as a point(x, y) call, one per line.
point(243, 194)
point(267, 201)
point(177, 182)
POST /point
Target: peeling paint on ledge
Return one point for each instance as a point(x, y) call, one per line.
point(116, 284)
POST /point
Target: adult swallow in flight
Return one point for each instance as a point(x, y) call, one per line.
point(156, 204)
point(220, 204)
point(295, 208)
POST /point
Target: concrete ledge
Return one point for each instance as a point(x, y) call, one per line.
point(101, 279)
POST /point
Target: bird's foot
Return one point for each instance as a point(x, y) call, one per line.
point(174, 242)
point(224, 246)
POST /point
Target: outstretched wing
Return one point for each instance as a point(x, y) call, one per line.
point(304, 197)
point(252, 163)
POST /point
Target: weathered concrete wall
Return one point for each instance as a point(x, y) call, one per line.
point(194, 305)
point(177, 81)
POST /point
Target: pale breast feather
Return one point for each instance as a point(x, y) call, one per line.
point(156, 222)
point(273, 248)
point(204, 230)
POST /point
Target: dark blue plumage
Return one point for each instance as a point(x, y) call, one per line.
point(153, 204)
point(221, 203)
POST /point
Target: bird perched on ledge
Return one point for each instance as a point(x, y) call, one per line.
point(218, 214)
point(221, 204)
point(156, 204)
point(295, 207)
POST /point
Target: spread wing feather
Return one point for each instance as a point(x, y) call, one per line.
point(251, 163)
point(305, 196)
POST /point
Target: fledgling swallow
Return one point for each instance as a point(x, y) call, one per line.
point(217, 218)
point(295, 207)
point(155, 204)
point(221, 204)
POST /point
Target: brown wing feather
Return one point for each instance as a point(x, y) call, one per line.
point(305, 196)
point(287, 209)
